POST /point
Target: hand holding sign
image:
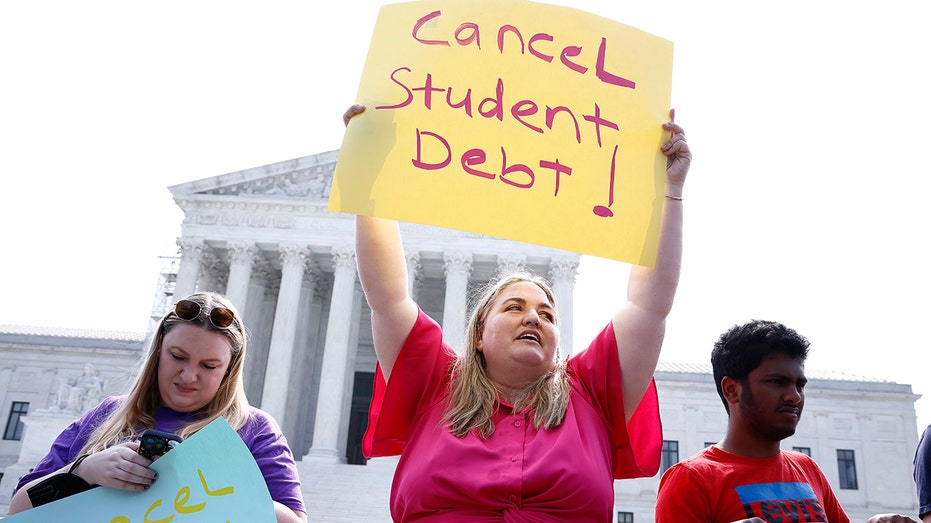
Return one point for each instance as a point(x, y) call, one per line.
point(678, 155)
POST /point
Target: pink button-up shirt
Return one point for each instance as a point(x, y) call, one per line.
point(518, 474)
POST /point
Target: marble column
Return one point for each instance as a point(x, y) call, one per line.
point(302, 362)
point(258, 316)
point(336, 357)
point(458, 266)
point(562, 275)
point(242, 255)
point(189, 266)
point(414, 274)
point(284, 330)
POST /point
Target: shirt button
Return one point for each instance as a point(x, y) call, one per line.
point(517, 424)
point(512, 497)
point(514, 458)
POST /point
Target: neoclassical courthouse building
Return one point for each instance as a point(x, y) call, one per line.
point(264, 237)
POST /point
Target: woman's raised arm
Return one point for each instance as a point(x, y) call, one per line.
point(383, 274)
point(640, 324)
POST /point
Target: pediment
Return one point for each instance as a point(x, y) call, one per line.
point(307, 177)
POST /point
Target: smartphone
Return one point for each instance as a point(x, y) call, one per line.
point(156, 443)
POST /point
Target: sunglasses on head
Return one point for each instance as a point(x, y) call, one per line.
point(220, 317)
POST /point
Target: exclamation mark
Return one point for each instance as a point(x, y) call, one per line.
point(601, 210)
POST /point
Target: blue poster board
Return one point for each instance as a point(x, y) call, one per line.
point(212, 476)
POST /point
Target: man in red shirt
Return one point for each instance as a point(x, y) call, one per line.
point(759, 371)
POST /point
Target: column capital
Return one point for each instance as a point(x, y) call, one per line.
point(413, 259)
point(292, 253)
point(563, 270)
point(190, 246)
point(344, 257)
point(241, 252)
point(457, 262)
point(189, 267)
point(511, 264)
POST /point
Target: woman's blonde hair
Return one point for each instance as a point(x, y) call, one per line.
point(474, 397)
point(137, 411)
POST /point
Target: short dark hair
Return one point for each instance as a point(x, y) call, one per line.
point(743, 347)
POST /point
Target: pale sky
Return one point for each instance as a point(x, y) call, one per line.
point(805, 203)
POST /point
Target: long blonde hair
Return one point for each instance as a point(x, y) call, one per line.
point(137, 411)
point(474, 397)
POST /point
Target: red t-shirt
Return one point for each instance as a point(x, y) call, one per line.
point(518, 474)
point(715, 486)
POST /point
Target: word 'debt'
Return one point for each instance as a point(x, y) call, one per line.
point(155, 513)
point(519, 175)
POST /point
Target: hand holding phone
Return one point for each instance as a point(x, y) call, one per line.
point(155, 443)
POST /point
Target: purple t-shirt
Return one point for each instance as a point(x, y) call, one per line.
point(261, 435)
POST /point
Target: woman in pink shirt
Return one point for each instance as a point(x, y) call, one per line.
point(510, 431)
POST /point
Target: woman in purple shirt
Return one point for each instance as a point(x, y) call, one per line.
point(192, 374)
point(507, 429)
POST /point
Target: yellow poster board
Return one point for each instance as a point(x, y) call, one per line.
point(513, 119)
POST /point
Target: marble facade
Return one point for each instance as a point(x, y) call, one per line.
point(263, 236)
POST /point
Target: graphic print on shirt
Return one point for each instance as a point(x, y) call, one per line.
point(781, 502)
